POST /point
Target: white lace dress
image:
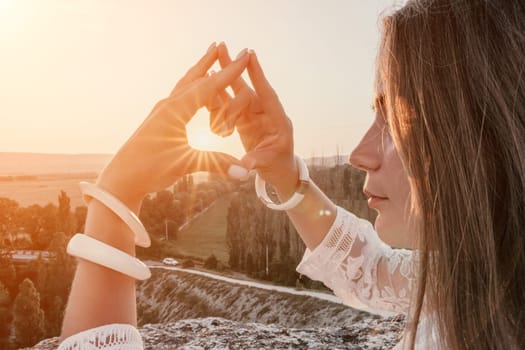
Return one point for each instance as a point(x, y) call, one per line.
point(364, 271)
point(351, 260)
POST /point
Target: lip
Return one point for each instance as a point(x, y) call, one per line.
point(374, 200)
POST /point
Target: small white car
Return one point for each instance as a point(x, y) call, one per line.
point(170, 261)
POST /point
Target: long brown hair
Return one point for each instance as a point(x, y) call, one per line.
point(453, 75)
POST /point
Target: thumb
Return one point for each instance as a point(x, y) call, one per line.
point(249, 161)
point(260, 158)
point(219, 163)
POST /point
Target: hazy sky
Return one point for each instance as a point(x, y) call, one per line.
point(80, 76)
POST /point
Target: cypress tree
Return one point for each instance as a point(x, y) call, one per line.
point(28, 317)
point(64, 218)
point(54, 317)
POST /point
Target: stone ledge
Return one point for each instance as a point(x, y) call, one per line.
point(219, 333)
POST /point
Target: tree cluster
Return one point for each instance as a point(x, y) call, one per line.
point(39, 223)
point(33, 295)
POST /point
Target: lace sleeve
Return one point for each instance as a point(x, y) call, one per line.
point(354, 262)
point(107, 337)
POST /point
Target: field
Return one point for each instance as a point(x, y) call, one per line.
point(46, 163)
point(37, 178)
point(206, 234)
point(44, 189)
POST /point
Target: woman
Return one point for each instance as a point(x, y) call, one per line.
point(445, 164)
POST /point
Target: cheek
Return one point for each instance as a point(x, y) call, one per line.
point(398, 186)
point(401, 189)
point(394, 222)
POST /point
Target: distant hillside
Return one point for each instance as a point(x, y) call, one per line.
point(328, 161)
point(12, 163)
point(42, 163)
point(206, 233)
point(37, 178)
point(169, 296)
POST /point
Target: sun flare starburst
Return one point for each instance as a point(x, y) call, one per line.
point(200, 136)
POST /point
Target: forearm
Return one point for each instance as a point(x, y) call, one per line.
point(99, 295)
point(313, 216)
point(151, 160)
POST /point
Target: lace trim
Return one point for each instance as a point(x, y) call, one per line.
point(110, 337)
point(354, 262)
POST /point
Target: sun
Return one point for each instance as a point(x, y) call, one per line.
point(201, 139)
point(200, 136)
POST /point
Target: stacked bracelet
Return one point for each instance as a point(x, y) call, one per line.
point(87, 248)
point(90, 249)
point(297, 197)
point(90, 191)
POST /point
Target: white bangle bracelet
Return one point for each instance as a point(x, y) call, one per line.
point(304, 181)
point(90, 249)
point(90, 191)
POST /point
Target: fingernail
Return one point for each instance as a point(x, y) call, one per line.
point(212, 46)
point(241, 54)
point(237, 172)
point(221, 43)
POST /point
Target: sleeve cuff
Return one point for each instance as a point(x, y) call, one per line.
point(109, 337)
point(333, 248)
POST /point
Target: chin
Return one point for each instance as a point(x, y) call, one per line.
point(392, 232)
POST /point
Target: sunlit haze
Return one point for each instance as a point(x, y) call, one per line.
point(80, 76)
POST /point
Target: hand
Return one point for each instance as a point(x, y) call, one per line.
point(158, 152)
point(265, 130)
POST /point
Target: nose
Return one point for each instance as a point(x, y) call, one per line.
point(368, 153)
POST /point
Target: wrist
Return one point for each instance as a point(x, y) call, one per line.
point(132, 200)
point(287, 185)
point(103, 224)
point(93, 192)
point(286, 189)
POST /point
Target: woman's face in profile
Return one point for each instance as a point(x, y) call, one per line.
point(386, 185)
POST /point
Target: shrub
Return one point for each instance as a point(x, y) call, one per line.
point(211, 262)
point(188, 263)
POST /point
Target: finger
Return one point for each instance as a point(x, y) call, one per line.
point(237, 106)
point(224, 95)
point(224, 61)
point(213, 162)
point(217, 120)
point(217, 102)
point(260, 158)
point(265, 92)
point(200, 69)
point(221, 104)
point(203, 90)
